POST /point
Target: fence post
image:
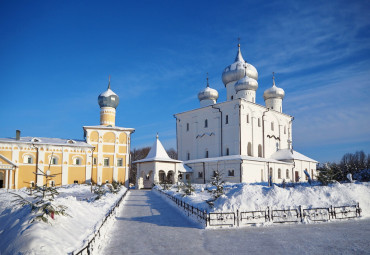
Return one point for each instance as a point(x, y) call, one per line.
point(300, 214)
point(237, 217)
point(269, 213)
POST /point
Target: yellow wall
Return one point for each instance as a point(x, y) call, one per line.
point(123, 138)
point(107, 174)
point(77, 173)
point(109, 137)
point(94, 136)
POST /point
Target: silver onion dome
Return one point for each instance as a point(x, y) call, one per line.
point(246, 83)
point(238, 70)
point(273, 92)
point(208, 93)
point(108, 98)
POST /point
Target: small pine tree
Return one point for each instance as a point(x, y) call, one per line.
point(188, 188)
point(327, 173)
point(217, 182)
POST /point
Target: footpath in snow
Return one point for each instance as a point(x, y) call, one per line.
point(147, 224)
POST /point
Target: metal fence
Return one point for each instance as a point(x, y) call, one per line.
point(291, 215)
point(90, 246)
point(201, 215)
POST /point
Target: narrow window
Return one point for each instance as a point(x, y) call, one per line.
point(227, 119)
point(200, 174)
point(279, 173)
point(262, 175)
point(77, 161)
point(52, 183)
point(106, 161)
point(284, 130)
point(206, 123)
point(232, 97)
point(259, 122)
point(54, 161)
point(214, 173)
point(249, 149)
point(247, 118)
point(32, 184)
point(119, 162)
point(94, 161)
point(106, 181)
point(287, 174)
point(227, 151)
point(187, 126)
point(28, 159)
point(188, 177)
point(272, 126)
point(206, 154)
point(231, 172)
point(75, 182)
point(260, 150)
point(188, 156)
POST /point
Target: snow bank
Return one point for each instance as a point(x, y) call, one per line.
point(64, 234)
point(249, 197)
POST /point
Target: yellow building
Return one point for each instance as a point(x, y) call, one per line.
point(102, 157)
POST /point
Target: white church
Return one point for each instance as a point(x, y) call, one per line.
point(245, 141)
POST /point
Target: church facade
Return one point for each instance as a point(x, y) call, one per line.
point(245, 141)
point(103, 156)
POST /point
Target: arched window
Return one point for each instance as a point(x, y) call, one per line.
point(205, 123)
point(287, 174)
point(262, 175)
point(188, 156)
point(231, 173)
point(259, 122)
point(187, 126)
point(227, 119)
point(260, 150)
point(247, 118)
point(279, 173)
point(249, 149)
point(77, 161)
point(272, 126)
point(227, 151)
point(232, 97)
point(206, 153)
point(284, 130)
point(28, 159)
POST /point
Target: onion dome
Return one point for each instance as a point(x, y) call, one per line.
point(239, 69)
point(273, 92)
point(208, 93)
point(246, 83)
point(108, 98)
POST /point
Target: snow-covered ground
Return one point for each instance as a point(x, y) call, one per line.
point(64, 234)
point(250, 197)
point(147, 225)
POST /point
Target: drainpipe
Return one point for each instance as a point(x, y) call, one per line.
point(221, 128)
point(263, 132)
point(177, 140)
point(241, 163)
point(204, 173)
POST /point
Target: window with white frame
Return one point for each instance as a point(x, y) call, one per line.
point(188, 156)
point(206, 153)
point(77, 161)
point(106, 161)
point(54, 160)
point(287, 174)
point(120, 162)
point(28, 159)
point(279, 173)
point(227, 152)
point(231, 173)
point(94, 161)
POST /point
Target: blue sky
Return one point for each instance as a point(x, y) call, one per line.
point(56, 56)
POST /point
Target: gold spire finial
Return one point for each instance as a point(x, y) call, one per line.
point(157, 136)
point(109, 82)
point(273, 78)
point(239, 42)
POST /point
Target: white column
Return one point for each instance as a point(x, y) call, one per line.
point(65, 163)
point(89, 162)
point(41, 158)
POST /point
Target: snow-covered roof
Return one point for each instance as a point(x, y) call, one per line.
point(157, 153)
point(185, 169)
point(46, 140)
point(287, 154)
point(234, 157)
point(110, 128)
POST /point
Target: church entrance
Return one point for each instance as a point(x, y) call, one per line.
point(148, 180)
